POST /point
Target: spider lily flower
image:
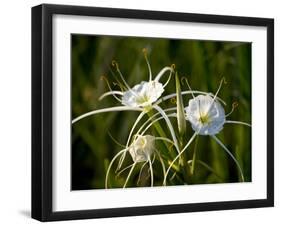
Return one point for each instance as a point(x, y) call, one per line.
point(139, 98)
point(143, 94)
point(142, 150)
point(207, 117)
point(142, 97)
point(205, 114)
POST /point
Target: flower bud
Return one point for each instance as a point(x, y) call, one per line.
point(180, 108)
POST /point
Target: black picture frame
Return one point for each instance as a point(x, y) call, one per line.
point(42, 120)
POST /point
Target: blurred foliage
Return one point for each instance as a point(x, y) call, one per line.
point(204, 63)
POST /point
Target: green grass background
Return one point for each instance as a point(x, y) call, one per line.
point(204, 63)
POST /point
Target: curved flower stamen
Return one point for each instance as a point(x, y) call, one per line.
point(129, 175)
point(147, 62)
point(234, 105)
point(164, 139)
point(187, 93)
point(123, 170)
point(169, 124)
point(168, 80)
point(110, 165)
point(184, 79)
point(113, 92)
point(115, 64)
point(140, 173)
point(151, 171)
point(156, 120)
point(231, 155)
point(162, 72)
point(109, 87)
point(134, 126)
point(111, 109)
point(214, 99)
point(151, 119)
point(238, 122)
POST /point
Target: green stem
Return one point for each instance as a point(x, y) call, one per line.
point(208, 168)
point(157, 126)
point(160, 131)
point(184, 163)
point(194, 156)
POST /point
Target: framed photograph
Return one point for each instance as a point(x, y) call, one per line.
point(147, 112)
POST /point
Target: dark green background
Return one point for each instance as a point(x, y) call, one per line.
point(203, 62)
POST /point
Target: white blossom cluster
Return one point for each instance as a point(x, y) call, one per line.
point(204, 112)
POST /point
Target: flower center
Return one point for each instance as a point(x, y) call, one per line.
point(142, 99)
point(143, 142)
point(204, 119)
